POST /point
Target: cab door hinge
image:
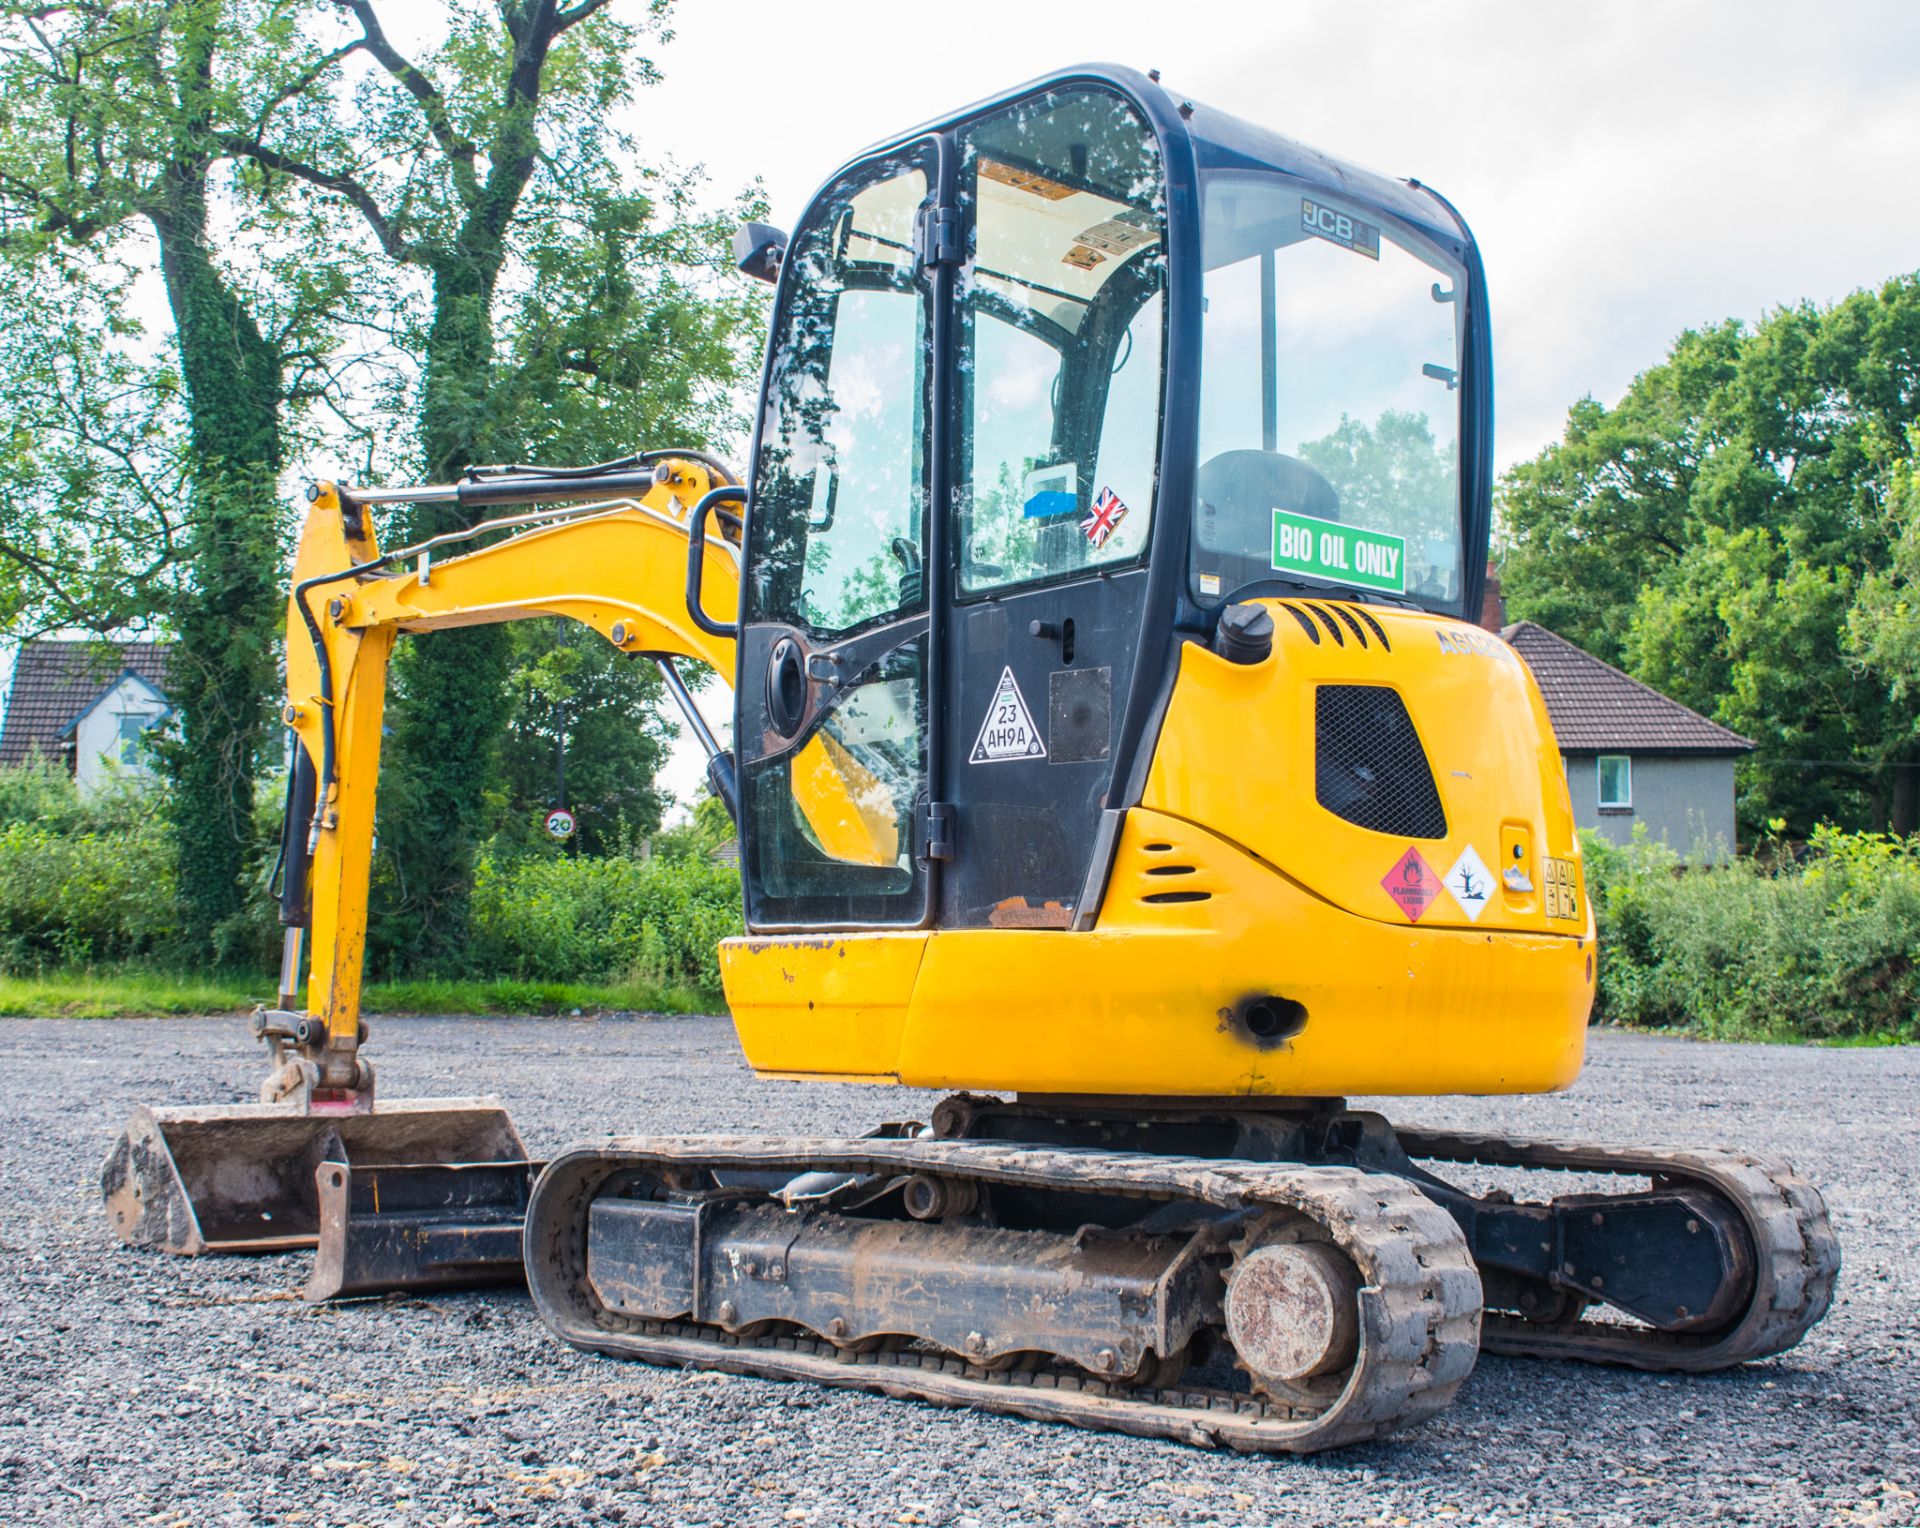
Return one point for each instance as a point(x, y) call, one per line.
point(936, 830)
point(939, 238)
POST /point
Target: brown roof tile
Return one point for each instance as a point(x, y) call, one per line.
point(1597, 709)
point(55, 683)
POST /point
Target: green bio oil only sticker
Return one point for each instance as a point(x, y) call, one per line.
point(1340, 554)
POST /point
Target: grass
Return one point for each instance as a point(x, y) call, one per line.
point(1782, 1035)
point(124, 994)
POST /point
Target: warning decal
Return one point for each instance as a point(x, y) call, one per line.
point(1120, 236)
point(1024, 180)
point(1563, 890)
point(1412, 884)
point(1470, 882)
point(1008, 732)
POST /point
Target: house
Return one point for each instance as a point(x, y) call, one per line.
point(87, 704)
point(1633, 756)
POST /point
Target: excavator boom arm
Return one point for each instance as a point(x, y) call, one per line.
point(618, 564)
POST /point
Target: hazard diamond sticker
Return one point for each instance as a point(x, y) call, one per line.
point(1471, 883)
point(1008, 732)
point(1412, 884)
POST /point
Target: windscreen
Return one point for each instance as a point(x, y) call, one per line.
point(1329, 399)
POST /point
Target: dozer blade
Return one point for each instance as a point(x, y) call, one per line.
point(446, 1225)
point(240, 1177)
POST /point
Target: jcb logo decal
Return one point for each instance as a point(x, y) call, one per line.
point(1338, 227)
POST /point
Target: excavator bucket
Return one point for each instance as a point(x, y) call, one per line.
point(241, 1177)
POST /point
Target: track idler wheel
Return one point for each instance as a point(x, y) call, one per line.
point(1293, 1313)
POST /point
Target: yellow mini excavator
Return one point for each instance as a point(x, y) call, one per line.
point(1114, 748)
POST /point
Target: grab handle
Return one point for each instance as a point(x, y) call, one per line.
point(697, 556)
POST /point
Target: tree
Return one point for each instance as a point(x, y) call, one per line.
point(510, 280)
point(1884, 625)
point(557, 312)
point(108, 140)
point(94, 512)
point(1599, 514)
point(1721, 533)
point(1390, 475)
point(573, 691)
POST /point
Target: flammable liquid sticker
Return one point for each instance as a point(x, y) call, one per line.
point(1412, 884)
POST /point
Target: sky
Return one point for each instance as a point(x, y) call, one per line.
point(1630, 169)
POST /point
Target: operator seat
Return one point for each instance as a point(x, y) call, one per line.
point(1238, 492)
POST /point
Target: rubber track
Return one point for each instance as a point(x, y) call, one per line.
point(1797, 1264)
point(1420, 1304)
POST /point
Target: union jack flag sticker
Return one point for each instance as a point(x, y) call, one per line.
point(1107, 514)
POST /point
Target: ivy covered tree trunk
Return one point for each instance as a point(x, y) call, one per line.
point(451, 711)
point(222, 671)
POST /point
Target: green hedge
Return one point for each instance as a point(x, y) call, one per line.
point(1821, 944)
point(86, 884)
point(74, 898)
point(612, 919)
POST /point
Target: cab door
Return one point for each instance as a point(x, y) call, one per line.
point(831, 722)
point(1059, 333)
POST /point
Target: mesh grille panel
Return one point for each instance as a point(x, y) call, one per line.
point(1368, 765)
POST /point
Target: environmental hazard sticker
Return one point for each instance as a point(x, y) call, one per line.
point(1008, 732)
point(1412, 883)
point(1471, 883)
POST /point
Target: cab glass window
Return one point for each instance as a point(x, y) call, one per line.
point(840, 496)
point(834, 818)
point(1060, 340)
point(1329, 398)
point(835, 532)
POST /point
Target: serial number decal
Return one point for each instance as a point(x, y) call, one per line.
point(1469, 639)
point(1008, 731)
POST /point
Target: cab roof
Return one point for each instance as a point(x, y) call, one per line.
point(1204, 138)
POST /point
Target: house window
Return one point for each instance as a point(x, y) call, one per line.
point(1616, 781)
point(133, 726)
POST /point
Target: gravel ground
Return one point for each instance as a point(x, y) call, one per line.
point(139, 1389)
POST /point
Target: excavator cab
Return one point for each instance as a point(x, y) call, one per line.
point(1050, 386)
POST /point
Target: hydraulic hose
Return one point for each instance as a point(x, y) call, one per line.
point(721, 472)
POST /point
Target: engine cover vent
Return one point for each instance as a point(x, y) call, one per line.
point(1368, 765)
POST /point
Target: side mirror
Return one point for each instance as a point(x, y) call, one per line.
point(757, 250)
